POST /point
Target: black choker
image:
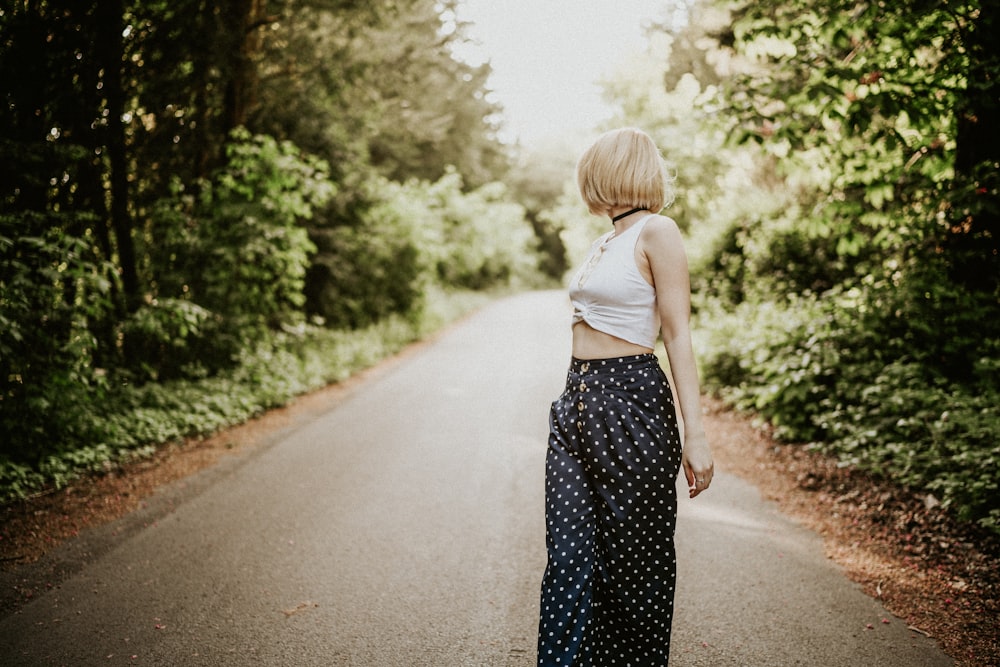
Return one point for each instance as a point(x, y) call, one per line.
point(627, 214)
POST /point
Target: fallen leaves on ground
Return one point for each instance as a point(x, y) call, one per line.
point(939, 575)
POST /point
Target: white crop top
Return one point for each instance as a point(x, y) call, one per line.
point(611, 295)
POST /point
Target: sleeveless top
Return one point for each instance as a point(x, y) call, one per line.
point(611, 295)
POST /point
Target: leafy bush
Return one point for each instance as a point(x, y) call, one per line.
point(887, 376)
point(222, 334)
point(51, 290)
point(364, 270)
point(235, 244)
point(110, 425)
point(931, 435)
point(163, 337)
point(415, 236)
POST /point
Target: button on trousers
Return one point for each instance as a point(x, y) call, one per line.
point(610, 509)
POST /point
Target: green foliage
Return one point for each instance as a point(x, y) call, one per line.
point(417, 235)
point(364, 273)
point(244, 253)
point(51, 290)
point(228, 256)
point(537, 182)
point(431, 112)
point(895, 100)
point(108, 425)
point(886, 376)
point(375, 86)
point(932, 434)
point(148, 241)
point(164, 337)
point(766, 250)
point(848, 291)
point(469, 240)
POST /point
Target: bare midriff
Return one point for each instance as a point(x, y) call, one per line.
point(589, 343)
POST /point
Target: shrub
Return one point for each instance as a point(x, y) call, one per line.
point(887, 376)
point(112, 424)
point(235, 244)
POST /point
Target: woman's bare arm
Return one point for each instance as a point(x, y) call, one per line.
point(666, 263)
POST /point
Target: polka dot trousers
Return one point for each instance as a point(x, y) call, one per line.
point(610, 509)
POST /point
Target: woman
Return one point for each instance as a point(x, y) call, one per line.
point(614, 444)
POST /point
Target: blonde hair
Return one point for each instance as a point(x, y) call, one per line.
point(623, 168)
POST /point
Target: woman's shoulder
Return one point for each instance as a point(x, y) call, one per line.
point(661, 229)
point(662, 244)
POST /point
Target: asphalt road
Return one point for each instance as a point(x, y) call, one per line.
point(404, 527)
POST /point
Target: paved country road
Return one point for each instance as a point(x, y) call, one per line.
point(404, 528)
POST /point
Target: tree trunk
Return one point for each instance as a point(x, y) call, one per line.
point(975, 234)
point(246, 17)
point(111, 53)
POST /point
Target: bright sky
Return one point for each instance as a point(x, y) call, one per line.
point(547, 56)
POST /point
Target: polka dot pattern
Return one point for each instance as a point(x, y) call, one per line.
point(610, 509)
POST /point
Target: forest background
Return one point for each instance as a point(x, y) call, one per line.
point(209, 207)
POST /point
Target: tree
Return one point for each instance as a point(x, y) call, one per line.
point(382, 82)
point(373, 90)
point(168, 167)
point(900, 100)
point(877, 120)
point(433, 108)
point(538, 181)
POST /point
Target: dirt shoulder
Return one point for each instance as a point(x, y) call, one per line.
point(939, 576)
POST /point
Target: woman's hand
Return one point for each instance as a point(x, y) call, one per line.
point(664, 264)
point(698, 465)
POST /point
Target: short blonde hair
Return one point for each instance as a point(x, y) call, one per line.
point(623, 168)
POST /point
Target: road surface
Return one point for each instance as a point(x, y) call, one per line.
point(404, 528)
